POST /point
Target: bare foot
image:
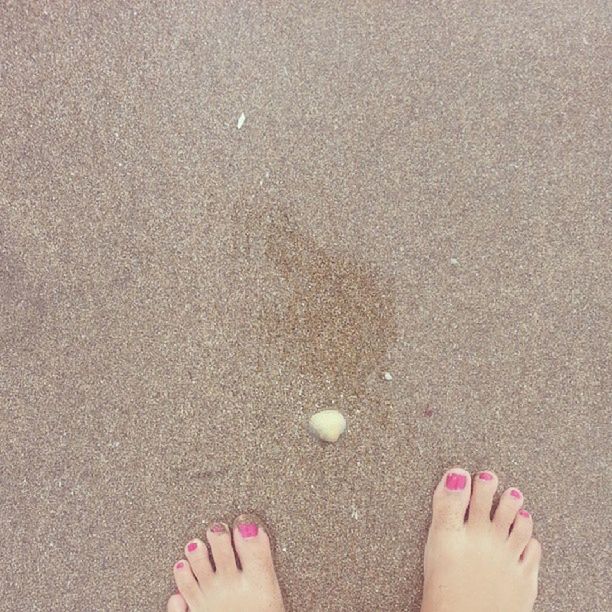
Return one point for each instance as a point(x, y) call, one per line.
point(224, 587)
point(479, 564)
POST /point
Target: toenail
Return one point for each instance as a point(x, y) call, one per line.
point(516, 493)
point(485, 476)
point(248, 530)
point(192, 546)
point(218, 528)
point(456, 482)
point(524, 513)
point(179, 565)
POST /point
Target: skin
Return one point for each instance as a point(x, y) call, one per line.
point(226, 587)
point(479, 563)
point(475, 561)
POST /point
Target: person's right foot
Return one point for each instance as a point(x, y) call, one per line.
point(479, 564)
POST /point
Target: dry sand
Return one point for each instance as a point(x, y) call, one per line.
point(415, 188)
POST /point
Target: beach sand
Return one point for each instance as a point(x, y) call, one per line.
point(218, 218)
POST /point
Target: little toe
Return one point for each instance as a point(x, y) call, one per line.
point(186, 583)
point(532, 555)
point(522, 528)
point(483, 489)
point(509, 504)
point(176, 603)
point(223, 554)
point(253, 547)
point(199, 560)
point(450, 500)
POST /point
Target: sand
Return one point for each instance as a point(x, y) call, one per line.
point(219, 218)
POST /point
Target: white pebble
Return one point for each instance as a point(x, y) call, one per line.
point(454, 261)
point(328, 425)
point(241, 120)
point(388, 376)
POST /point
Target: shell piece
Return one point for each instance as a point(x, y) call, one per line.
point(328, 425)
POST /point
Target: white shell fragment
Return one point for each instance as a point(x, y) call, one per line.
point(454, 261)
point(328, 425)
point(388, 376)
point(241, 120)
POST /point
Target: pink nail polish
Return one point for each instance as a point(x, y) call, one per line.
point(524, 513)
point(218, 528)
point(179, 565)
point(248, 530)
point(456, 482)
point(485, 476)
point(192, 546)
point(516, 493)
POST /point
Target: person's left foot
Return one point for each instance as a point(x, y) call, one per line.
point(219, 584)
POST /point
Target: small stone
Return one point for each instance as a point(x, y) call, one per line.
point(328, 425)
point(241, 120)
point(388, 376)
point(454, 261)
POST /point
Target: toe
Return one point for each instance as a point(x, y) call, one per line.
point(483, 490)
point(187, 583)
point(253, 546)
point(531, 556)
point(223, 555)
point(509, 504)
point(177, 604)
point(522, 528)
point(199, 560)
point(451, 499)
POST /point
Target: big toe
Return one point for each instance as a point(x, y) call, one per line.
point(450, 500)
point(253, 547)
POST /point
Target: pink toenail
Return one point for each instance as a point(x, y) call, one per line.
point(248, 530)
point(524, 513)
point(516, 493)
point(485, 476)
point(218, 528)
point(456, 482)
point(192, 546)
point(179, 565)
